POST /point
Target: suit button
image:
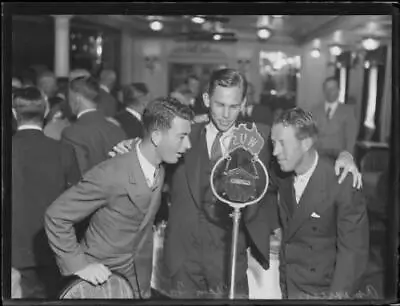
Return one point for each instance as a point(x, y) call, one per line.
point(314, 228)
point(312, 269)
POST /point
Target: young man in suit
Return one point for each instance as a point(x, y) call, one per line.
point(42, 169)
point(106, 102)
point(122, 195)
point(197, 241)
point(325, 243)
point(92, 135)
point(136, 100)
point(336, 122)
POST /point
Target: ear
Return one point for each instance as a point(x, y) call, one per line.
point(307, 143)
point(206, 99)
point(156, 137)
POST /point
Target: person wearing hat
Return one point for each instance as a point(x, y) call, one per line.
point(136, 97)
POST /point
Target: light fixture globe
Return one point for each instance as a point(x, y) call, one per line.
point(156, 25)
point(264, 33)
point(370, 43)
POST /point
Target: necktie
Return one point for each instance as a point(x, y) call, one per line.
point(328, 112)
point(216, 150)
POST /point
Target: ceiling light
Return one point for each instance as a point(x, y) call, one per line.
point(367, 64)
point(264, 33)
point(335, 50)
point(156, 25)
point(277, 16)
point(370, 43)
point(198, 19)
point(217, 37)
point(315, 53)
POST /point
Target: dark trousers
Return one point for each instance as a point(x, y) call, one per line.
point(206, 281)
point(40, 282)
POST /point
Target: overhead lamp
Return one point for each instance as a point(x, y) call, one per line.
point(198, 19)
point(277, 16)
point(335, 50)
point(315, 53)
point(217, 37)
point(156, 25)
point(264, 33)
point(370, 43)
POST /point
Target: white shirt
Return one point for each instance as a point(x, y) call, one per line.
point(211, 133)
point(134, 113)
point(105, 88)
point(148, 169)
point(29, 127)
point(85, 111)
point(333, 106)
point(301, 180)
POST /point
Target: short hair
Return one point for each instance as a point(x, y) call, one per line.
point(86, 86)
point(329, 79)
point(193, 77)
point(45, 74)
point(76, 73)
point(159, 114)
point(227, 78)
point(30, 104)
point(300, 119)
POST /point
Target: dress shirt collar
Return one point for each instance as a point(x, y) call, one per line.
point(333, 106)
point(148, 168)
point(29, 127)
point(134, 113)
point(306, 176)
point(211, 133)
point(85, 111)
point(105, 88)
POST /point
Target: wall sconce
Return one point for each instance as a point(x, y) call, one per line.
point(315, 53)
point(151, 62)
point(370, 43)
point(335, 50)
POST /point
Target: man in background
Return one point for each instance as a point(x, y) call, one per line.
point(92, 135)
point(325, 241)
point(106, 102)
point(42, 169)
point(136, 99)
point(336, 122)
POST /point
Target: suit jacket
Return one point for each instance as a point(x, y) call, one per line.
point(106, 103)
point(185, 192)
point(338, 133)
point(325, 241)
point(92, 137)
point(260, 114)
point(119, 234)
point(42, 169)
point(131, 125)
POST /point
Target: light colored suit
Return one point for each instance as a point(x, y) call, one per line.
point(338, 133)
point(119, 234)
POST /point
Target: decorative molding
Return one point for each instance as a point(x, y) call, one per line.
point(194, 50)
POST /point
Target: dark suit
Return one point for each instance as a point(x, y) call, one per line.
point(325, 239)
point(197, 248)
point(338, 133)
point(120, 231)
point(106, 103)
point(132, 126)
point(42, 169)
point(92, 137)
point(259, 114)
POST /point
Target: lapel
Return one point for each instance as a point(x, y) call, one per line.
point(286, 198)
point(314, 199)
point(193, 159)
point(138, 190)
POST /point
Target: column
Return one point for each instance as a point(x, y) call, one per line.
point(126, 58)
point(61, 42)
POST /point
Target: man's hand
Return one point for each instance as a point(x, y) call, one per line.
point(122, 147)
point(345, 161)
point(95, 273)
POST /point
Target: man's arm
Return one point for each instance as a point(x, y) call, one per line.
point(71, 168)
point(72, 206)
point(352, 240)
point(80, 152)
point(351, 130)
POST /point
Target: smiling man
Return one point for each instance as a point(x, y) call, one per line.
point(122, 196)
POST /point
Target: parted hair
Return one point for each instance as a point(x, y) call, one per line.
point(227, 77)
point(159, 114)
point(87, 86)
point(30, 104)
point(300, 119)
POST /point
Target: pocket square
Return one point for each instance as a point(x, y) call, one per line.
point(315, 215)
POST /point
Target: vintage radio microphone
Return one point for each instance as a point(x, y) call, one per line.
point(239, 178)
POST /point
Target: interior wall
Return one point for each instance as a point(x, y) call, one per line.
point(188, 52)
